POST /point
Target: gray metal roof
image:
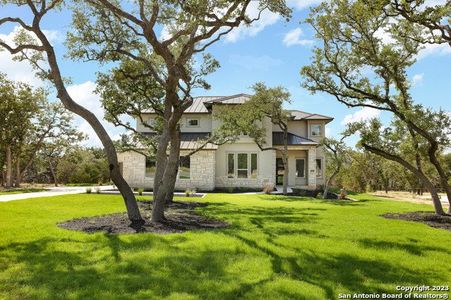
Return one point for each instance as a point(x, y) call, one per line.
point(302, 115)
point(202, 104)
point(293, 139)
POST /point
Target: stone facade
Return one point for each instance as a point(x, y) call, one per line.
point(202, 171)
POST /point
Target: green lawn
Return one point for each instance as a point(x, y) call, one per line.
point(20, 191)
point(277, 248)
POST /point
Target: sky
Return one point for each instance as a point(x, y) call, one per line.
point(272, 51)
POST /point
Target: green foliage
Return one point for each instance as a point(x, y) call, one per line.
point(276, 248)
point(249, 118)
point(140, 192)
point(82, 166)
point(88, 190)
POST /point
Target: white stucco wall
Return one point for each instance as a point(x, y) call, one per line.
point(266, 166)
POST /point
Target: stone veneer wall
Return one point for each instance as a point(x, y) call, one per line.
point(202, 174)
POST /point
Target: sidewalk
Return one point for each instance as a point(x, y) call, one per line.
point(53, 191)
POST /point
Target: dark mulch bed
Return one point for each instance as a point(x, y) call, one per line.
point(429, 218)
point(180, 217)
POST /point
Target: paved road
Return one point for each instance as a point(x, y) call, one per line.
point(52, 191)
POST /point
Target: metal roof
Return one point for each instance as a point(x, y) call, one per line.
point(302, 115)
point(293, 139)
point(192, 140)
point(202, 104)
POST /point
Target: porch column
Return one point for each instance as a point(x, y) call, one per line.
point(311, 173)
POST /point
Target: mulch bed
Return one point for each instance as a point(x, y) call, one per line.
point(429, 218)
point(180, 217)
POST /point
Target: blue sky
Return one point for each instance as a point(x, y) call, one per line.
point(272, 51)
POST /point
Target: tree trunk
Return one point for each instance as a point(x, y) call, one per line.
point(442, 174)
point(18, 173)
point(55, 75)
point(9, 170)
point(326, 185)
point(174, 154)
point(166, 184)
point(418, 173)
point(52, 170)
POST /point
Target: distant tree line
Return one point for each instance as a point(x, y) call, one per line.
point(39, 143)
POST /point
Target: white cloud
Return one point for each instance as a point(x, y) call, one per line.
point(84, 95)
point(434, 49)
point(21, 70)
point(363, 114)
point(267, 18)
point(255, 63)
point(302, 4)
point(328, 132)
point(293, 37)
point(417, 79)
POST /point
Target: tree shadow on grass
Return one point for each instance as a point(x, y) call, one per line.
point(412, 247)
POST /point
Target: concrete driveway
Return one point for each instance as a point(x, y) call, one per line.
point(53, 191)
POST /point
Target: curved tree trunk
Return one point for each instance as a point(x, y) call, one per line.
point(55, 76)
point(442, 174)
point(418, 173)
point(326, 185)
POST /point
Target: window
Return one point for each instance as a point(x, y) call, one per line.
point(315, 130)
point(242, 165)
point(319, 167)
point(193, 122)
point(300, 167)
point(254, 169)
point(230, 165)
point(150, 167)
point(185, 167)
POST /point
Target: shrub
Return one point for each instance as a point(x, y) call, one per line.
point(140, 192)
point(88, 190)
point(97, 190)
point(268, 188)
point(190, 192)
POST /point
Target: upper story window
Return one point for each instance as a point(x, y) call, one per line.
point(193, 122)
point(316, 130)
point(151, 122)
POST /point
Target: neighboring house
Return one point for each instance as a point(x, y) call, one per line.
point(238, 164)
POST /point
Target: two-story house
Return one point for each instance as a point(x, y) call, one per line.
point(238, 164)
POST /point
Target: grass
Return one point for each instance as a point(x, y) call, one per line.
point(276, 248)
point(21, 191)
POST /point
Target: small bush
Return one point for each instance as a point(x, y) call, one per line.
point(140, 192)
point(98, 191)
point(88, 190)
point(190, 192)
point(268, 188)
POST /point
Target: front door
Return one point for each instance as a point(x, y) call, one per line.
point(279, 171)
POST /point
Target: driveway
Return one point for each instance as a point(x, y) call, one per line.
point(53, 191)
